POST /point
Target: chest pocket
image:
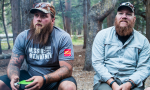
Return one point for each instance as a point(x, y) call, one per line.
point(131, 55)
point(111, 50)
point(128, 54)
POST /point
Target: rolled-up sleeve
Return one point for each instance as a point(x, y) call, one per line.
point(98, 56)
point(143, 65)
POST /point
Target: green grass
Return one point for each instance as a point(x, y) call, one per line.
point(75, 41)
point(4, 45)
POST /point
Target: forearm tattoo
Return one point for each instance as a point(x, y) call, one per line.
point(61, 73)
point(15, 64)
point(69, 62)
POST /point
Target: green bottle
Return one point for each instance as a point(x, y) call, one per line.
point(22, 83)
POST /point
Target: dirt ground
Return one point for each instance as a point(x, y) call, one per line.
point(84, 78)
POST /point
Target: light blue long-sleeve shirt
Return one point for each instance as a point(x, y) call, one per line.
point(111, 58)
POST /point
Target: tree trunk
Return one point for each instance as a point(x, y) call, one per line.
point(0, 47)
point(26, 5)
point(73, 29)
point(79, 31)
point(148, 19)
point(137, 24)
point(86, 6)
point(16, 19)
point(96, 16)
point(142, 31)
point(3, 19)
point(110, 19)
point(67, 16)
point(61, 6)
point(95, 26)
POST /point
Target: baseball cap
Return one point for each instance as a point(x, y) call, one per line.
point(44, 7)
point(126, 4)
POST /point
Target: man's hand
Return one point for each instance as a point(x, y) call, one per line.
point(115, 86)
point(125, 86)
point(14, 80)
point(36, 84)
point(147, 88)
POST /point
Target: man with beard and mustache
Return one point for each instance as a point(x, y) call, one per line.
point(49, 54)
point(120, 54)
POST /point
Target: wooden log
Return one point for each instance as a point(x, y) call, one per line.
point(4, 62)
point(5, 56)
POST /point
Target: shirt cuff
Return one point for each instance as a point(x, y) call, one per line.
point(136, 80)
point(106, 78)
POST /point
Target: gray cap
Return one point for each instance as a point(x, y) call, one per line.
point(126, 4)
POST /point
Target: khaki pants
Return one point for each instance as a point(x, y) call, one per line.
point(105, 86)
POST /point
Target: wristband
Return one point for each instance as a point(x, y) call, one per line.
point(111, 84)
point(132, 84)
point(44, 80)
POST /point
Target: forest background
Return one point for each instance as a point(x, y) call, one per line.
point(82, 19)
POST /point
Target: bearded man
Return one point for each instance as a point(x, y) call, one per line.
point(120, 54)
point(48, 51)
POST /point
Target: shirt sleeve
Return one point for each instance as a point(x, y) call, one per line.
point(98, 57)
point(66, 51)
point(19, 45)
point(143, 65)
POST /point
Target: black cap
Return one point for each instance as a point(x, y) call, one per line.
point(126, 4)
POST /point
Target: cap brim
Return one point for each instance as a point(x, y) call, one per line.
point(120, 7)
point(33, 10)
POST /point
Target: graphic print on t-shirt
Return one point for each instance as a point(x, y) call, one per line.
point(40, 53)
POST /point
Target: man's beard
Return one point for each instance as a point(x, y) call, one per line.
point(124, 31)
point(38, 29)
point(38, 35)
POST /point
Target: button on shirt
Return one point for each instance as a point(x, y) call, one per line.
point(112, 58)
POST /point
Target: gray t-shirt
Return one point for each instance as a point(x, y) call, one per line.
point(44, 60)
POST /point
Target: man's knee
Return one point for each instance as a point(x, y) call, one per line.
point(1, 83)
point(67, 85)
point(3, 86)
point(139, 88)
point(102, 86)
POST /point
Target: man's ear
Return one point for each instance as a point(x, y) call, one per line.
point(53, 20)
point(134, 18)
